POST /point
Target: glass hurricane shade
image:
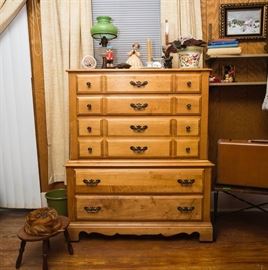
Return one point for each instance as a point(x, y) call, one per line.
point(103, 28)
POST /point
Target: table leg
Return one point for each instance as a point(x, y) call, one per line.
point(19, 259)
point(45, 254)
point(68, 240)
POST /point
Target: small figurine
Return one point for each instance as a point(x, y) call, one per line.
point(134, 57)
point(229, 73)
point(109, 55)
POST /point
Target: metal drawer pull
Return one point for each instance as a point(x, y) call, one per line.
point(189, 106)
point(89, 107)
point(185, 209)
point(189, 83)
point(88, 84)
point(139, 106)
point(186, 182)
point(138, 149)
point(138, 83)
point(90, 150)
point(89, 129)
point(91, 182)
point(92, 209)
point(188, 129)
point(188, 149)
point(138, 128)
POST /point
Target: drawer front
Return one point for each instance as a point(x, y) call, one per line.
point(188, 104)
point(142, 181)
point(89, 127)
point(137, 105)
point(187, 148)
point(89, 84)
point(147, 83)
point(188, 126)
point(139, 126)
point(90, 148)
point(125, 208)
point(89, 105)
point(139, 148)
point(190, 83)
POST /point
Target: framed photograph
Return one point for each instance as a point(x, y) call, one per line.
point(243, 21)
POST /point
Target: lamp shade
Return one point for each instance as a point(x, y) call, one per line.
point(103, 28)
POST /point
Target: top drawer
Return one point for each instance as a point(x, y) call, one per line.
point(143, 83)
point(188, 83)
point(89, 84)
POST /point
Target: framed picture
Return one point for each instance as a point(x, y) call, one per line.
point(244, 21)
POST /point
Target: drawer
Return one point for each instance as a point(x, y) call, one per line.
point(188, 126)
point(145, 83)
point(190, 83)
point(136, 105)
point(188, 104)
point(147, 208)
point(140, 181)
point(187, 148)
point(89, 84)
point(90, 148)
point(89, 127)
point(139, 126)
point(89, 105)
point(139, 148)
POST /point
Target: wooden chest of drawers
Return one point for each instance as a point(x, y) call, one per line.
point(138, 152)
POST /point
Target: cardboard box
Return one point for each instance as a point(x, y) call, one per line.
point(243, 163)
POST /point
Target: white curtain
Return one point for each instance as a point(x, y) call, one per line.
point(184, 19)
point(19, 176)
point(66, 39)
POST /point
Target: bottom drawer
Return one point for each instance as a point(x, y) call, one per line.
point(126, 208)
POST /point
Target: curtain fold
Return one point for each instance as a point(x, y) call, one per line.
point(8, 11)
point(19, 176)
point(66, 39)
point(184, 19)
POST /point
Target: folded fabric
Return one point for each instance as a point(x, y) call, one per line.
point(223, 45)
point(220, 51)
point(265, 101)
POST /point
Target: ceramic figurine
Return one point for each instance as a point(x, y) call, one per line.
point(134, 57)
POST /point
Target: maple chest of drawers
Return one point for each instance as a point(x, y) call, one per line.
point(138, 152)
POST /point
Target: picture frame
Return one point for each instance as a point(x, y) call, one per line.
point(244, 21)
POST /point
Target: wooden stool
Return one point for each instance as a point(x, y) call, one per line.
point(24, 237)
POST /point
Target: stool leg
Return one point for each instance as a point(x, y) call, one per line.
point(68, 240)
point(45, 252)
point(19, 259)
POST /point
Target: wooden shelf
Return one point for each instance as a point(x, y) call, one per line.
point(224, 56)
point(237, 83)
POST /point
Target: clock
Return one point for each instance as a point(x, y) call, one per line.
point(89, 62)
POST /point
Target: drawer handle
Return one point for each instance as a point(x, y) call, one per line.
point(188, 129)
point(91, 182)
point(189, 106)
point(189, 83)
point(92, 209)
point(88, 84)
point(138, 128)
point(138, 149)
point(90, 150)
point(186, 182)
point(138, 83)
point(188, 150)
point(89, 129)
point(185, 209)
point(89, 107)
point(139, 106)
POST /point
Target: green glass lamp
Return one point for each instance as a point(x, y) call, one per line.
point(104, 30)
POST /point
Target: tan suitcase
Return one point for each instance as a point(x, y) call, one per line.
point(243, 163)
